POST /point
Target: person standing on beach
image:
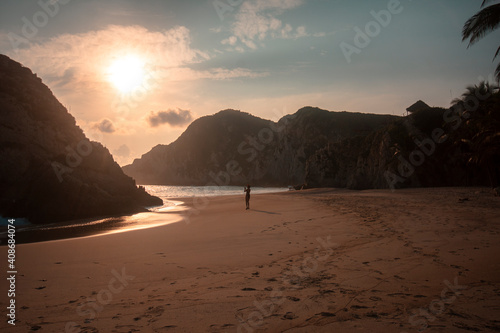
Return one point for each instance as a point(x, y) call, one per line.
point(247, 196)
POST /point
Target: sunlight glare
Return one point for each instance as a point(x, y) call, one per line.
point(127, 73)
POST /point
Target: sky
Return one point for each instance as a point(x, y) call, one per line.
point(136, 73)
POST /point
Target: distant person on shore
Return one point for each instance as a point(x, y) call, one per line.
point(247, 196)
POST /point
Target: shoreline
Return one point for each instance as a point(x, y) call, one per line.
point(300, 261)
point(102, 226)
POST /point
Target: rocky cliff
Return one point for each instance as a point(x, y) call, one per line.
point(235, 148)
point(49, 170)
point(459, 146)
point(431, 147)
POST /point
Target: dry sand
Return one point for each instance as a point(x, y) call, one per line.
point(305, 261)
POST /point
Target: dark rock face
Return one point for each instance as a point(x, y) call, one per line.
point(429, 148)
point(318, 148)
point(49, 170)
point(235, 148)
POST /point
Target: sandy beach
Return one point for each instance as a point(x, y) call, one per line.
point(305, 261)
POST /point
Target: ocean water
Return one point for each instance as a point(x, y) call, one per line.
point(157, 216)
point(172, 192)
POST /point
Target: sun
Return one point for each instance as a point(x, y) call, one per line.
point(127, 73)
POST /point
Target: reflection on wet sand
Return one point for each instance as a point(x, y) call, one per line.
point(105, 226)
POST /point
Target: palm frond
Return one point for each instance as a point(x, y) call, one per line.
point(469, 91)
point(479, 25)
point(496, 53)
point(457, 102)
point(486, 2)
point(497, 73)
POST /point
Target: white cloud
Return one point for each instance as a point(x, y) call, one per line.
point(231, 40)
point(301, 32)
point(214, 74)
point(257, 20)
point(319, 34)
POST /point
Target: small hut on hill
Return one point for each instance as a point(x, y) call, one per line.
point(419, 105)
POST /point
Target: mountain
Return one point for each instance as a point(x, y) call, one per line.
point(429, 148)
point(49, 170)
point(234, 148)
point(432, 146)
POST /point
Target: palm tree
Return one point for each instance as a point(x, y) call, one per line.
point(480, 134)
point(481, 24)
point(473, 96)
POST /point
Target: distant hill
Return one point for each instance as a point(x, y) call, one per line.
point(319, 148)
point(49, 170)
point(233, 147)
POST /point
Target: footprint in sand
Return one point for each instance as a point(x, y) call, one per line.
point(359, 307)
point(154, 312)
point(168, 327)
point(290, 316)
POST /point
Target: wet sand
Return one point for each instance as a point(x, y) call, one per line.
point(305, 261)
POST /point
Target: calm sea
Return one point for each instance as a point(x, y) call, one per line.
point(169, 194)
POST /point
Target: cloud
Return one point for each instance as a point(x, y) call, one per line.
point(215, 74)
point(80, 61)
point(123, 151)
point(258, 19)
point(174, 118)
point(78, 64)
point(105, 126)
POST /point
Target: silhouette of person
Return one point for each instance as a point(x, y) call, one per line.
point(247, 196)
